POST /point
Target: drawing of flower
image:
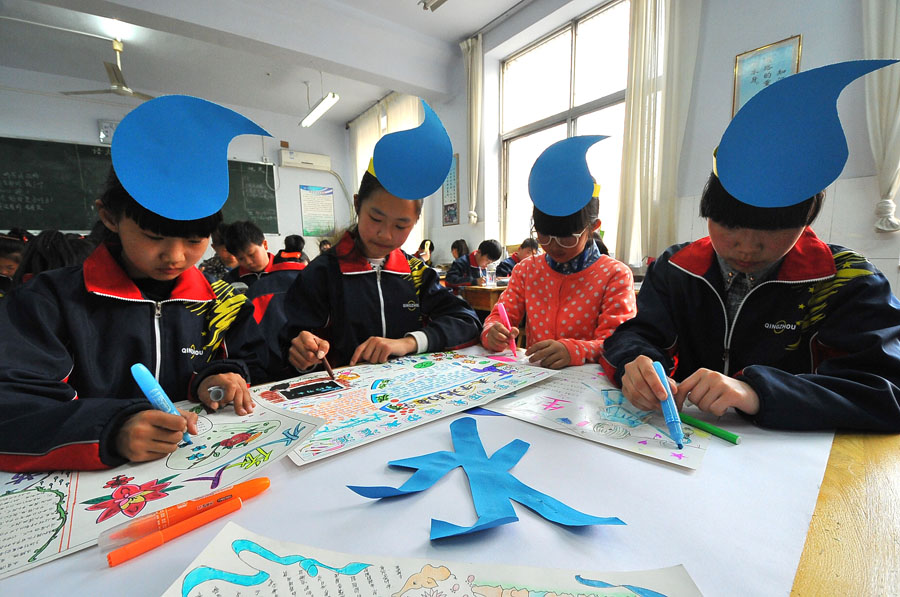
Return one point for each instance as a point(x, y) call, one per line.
point(129, 499)
point(118, 480)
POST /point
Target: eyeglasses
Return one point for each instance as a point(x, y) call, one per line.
point(566, 242)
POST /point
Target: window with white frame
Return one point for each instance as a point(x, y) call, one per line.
point(571, 82)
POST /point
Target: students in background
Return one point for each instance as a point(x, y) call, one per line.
point(366, 300)
point(761, 315)
point(222, 262)
point(246, 242)
point(293, 250)
point(324, 245)
point(70, 336)
point(572, 297)
point(469, 269)
point(426, 248)
point(11, 249)
point(528, 248)
point(51, 249)
point(459, 248)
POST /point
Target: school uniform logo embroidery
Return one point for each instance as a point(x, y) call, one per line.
point(220, 314)
point(191, 351)
point(780, 326)
point(849, 265)
point(410, 305)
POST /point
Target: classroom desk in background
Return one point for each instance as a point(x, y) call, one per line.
point(482, 298)
point(853, 544)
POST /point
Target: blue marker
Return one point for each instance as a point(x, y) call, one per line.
point(670, 411)
point(154, 393)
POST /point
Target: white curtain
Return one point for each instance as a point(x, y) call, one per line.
point(881, 36)
point(662, 56)
point(396, 112)
point(474, 59)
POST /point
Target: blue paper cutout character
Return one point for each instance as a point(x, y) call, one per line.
point(491, 484)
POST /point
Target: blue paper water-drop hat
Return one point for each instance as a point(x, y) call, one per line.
point(171, 154)
point(560, 183)
point(414, 163)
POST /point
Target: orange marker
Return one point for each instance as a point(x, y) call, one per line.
point(157, 521)
point(154, 540)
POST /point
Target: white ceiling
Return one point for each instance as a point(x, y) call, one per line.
point(249, 52)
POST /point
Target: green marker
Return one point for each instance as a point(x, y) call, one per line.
point(711, 429)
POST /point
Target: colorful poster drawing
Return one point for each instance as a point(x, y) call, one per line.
point(44, 516)
point(283, 568)
point(585, 404)
point(368, 402)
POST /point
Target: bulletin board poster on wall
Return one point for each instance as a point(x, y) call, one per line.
point(317, 210)
point(450, 195)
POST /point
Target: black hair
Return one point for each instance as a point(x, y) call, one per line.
point(369, 185)
point(598, 240)
point(325, 241)
point(529, 243)
point(120, 204)
point(461, 246)
point(567, 225)
point(294, 243)
point(21, 234)
point(10, 245)
point(218, 235)
point(427, 242)
point(721, 207)
point(241, 234)
point(490, 249)
point(52, 249)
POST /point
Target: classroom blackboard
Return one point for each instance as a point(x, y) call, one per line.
point(48, 184)
point(251, 195)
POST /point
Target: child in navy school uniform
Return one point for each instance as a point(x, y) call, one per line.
point(222, 262)
point(247, 243)
point(761, 315)
point(528, 248)
point(11, 250)
point(70, 336)
point(470, 269)
point(365, 300)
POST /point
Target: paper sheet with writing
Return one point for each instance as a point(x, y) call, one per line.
point(368, 402)
point(239, 562)
point(47, 515)
point(584, 403)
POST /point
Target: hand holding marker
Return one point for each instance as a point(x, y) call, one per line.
point(504, 319)
point(670, 411)
point(154, 393)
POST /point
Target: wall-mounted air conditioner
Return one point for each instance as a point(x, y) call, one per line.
point(298, 159)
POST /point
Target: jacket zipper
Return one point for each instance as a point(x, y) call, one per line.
point(156, 325)
point(381, 303)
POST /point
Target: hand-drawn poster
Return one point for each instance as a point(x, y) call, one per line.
point(44, 516)
point(239, 562)
point(585, 404)
point(368, 402)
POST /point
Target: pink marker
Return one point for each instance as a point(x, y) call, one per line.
point(504, 319)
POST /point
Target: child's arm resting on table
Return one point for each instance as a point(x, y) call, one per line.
point(449, 320)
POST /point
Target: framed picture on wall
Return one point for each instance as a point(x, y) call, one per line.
point(450, 195)
point(757, 69)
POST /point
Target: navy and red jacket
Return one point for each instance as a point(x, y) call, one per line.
point(505, 267)
point(69, 338)
point(340, 297)
point(240, 274)
point(464, 271)
point(267, 296)
point(819, 342)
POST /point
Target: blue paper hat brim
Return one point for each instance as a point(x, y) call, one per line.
point(786, 143)
point(414, 163)
point(560, 183)
point(171, 154)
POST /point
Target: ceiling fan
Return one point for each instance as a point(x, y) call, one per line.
point(117, 83)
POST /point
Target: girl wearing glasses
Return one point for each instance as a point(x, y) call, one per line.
point(571, 297)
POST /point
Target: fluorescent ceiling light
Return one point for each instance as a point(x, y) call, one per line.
point(432, 5)
point(320, 108)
